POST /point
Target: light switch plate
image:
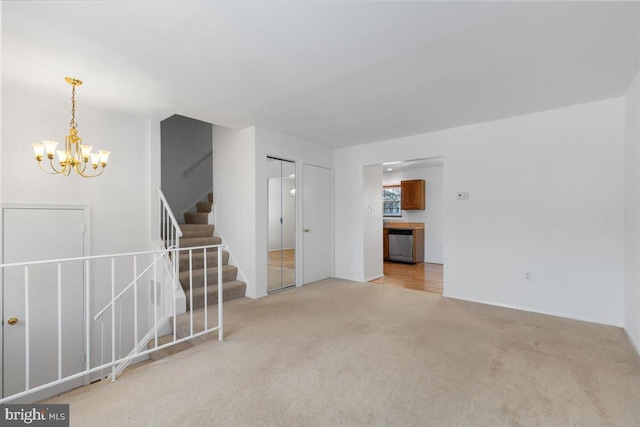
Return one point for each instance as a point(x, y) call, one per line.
point(462, 195)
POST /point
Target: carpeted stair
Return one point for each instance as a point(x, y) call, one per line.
point(196, 232)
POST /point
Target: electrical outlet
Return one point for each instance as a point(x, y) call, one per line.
point(528, 277)
point(462, 195)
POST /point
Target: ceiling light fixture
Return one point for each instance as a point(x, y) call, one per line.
point(75, 155)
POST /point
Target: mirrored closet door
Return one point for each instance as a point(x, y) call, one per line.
point(281, 190)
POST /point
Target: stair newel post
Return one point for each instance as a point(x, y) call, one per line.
point(135, 302)
point(191, 291)
point(220, 330)
point(206, 290)
point(176, 267)
point(113, 318)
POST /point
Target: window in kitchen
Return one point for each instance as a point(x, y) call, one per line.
point(391, 201)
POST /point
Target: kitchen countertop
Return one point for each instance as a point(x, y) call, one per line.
point(404, 225)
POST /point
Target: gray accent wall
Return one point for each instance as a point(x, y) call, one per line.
point(184, 141)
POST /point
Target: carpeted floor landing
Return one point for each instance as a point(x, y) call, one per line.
point(345, 353)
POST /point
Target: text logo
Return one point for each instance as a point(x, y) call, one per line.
point(34, 415)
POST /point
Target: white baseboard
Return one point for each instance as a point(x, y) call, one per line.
point(633, 342)
point(379, 276)
point(530, 310)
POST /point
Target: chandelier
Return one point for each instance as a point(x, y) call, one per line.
point(75, 155)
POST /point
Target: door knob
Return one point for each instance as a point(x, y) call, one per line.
point(306, 230)
point(12, 321)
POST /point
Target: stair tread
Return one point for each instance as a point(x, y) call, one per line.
point(197, 259)
point(196, 217)
point(204, 207)
point(211, 270)
point(211, 253)
point(231, 284)
point(183, 321)
point(196, 230)
point(230, 290)
point(197, 279)
point(199, 241)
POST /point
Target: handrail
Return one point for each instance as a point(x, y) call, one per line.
point(84, 258)
point(188, 170)
point(169, 211)
point(135, 279)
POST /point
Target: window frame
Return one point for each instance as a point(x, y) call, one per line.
point(399, 201)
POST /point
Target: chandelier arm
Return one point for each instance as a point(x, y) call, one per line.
point(93, 175)
point(46, 171)
point(55, 171)
point(80, 169)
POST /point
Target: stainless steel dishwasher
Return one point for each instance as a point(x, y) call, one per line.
point(401, 245)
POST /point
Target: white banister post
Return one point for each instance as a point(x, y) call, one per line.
point(206, 306)
point(26, 328)
point(220, 331)
point(87, 294)
point(59, 321)
point(113, 317)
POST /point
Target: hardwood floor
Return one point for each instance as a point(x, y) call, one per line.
point(425, 276)
point(288, 259)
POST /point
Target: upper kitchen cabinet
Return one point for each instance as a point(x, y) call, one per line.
point(413, 195)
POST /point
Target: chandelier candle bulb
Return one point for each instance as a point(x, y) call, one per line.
point(51, 148)
point(104, 156)
point(38, 148)
point(75, 155)
point(62, 156)
point(86, 152)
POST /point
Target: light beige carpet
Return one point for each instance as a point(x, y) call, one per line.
point(344, 353)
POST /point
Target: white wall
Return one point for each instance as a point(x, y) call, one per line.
point(372, 222)
point(276, 144)
point(234, 197)
point(632, 213)
point(120, 199)
point(545, 197)
point(433, 215)
point(184, 142)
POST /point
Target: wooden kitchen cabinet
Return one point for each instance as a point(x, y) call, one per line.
point(412, 195)
point(385, 243)
point(418, 245)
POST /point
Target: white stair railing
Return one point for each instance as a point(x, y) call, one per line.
point(170, 231)
point(100, 272)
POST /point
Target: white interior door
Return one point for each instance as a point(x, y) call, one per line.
point(33, 235)
point(317, 211)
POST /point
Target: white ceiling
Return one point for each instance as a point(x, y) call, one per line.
point(338, 73)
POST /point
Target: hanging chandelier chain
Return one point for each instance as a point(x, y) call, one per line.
point(73, 107)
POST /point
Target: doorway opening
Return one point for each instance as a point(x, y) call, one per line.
point(281, 230)
point(420, 265)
